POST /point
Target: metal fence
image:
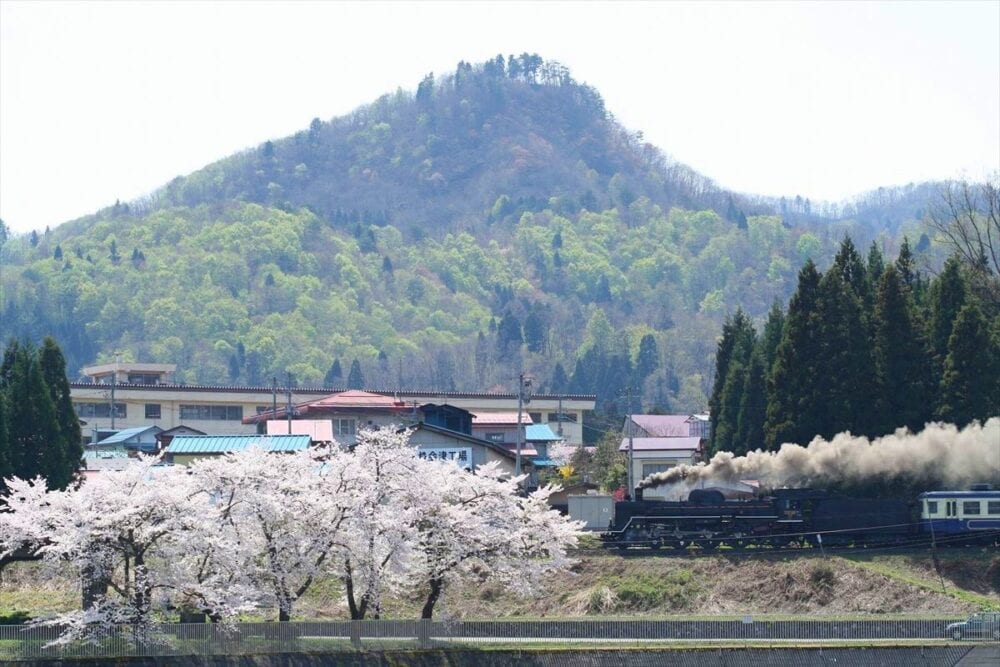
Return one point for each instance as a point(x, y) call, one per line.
point(168, 639)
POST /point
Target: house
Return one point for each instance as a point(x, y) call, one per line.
point(145, 394)
point(652, 455)
point(164, 437)
point(540, 437)
point(346, 411)
point(184, 449)
point(318, 430)
point(140, 439)
point(500, 427)
point(466, 450)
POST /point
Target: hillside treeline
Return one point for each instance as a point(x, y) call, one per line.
point(866, 347)
point(496, 220)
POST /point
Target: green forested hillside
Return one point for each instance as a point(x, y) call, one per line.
point(496, 219)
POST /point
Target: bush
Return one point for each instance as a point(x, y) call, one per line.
point(993, 574)
point(675, 590)
point(823, 577)
point(14, 617)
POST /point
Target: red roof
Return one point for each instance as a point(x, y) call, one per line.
point(499, 418)
point(664, 426)
point(689, 444)
point(352, 400)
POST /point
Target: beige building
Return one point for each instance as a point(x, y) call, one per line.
point(144, 395)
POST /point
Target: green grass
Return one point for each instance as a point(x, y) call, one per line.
point(886, 568)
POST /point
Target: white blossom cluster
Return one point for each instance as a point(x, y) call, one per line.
point(249, 531)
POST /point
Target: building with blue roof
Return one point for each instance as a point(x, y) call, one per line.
point(139, 439)
point(184, 449)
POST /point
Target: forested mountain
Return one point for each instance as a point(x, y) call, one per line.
point(496, 219)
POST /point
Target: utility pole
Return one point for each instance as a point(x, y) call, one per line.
point(559, 417)
point(288, 408)
point(114, 383)
point(522, 384)
point(631, 474)
point(274, 397)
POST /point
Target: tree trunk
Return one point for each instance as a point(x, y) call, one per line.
point(92, 587)
point(437, 584)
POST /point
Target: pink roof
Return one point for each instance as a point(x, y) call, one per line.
point(319, 430)
point(689, 444)
point(664, 425)
point(353, 398)
point(499, 418)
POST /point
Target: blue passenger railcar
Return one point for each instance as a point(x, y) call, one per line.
point(958, 514)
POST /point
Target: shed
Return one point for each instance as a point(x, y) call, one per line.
point(139, 439)
point(186, 448)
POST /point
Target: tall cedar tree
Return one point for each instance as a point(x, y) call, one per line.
point(33, 428)
point(5, 469)
point(795, 400)
point(724, 437)
point(753, 406)
point(849, 265)
point(843, 367)
point(971, 375)
point(901, 358)
point(53, 366)
point(947, 297)
point(736, 344)
point(648, 359)
point(772, 335)
point(355, 379)
point(876, 265)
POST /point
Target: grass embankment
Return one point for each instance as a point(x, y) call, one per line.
point(611, 586)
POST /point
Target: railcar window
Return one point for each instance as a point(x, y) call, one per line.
point(970, 507)
point(993, 507)
point(932, 507)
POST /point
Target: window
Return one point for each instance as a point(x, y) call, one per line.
point(143, 378)
point(932, 507)
point(993, 507)
point(494, 437)
point(536, 417)
point(98, 410)
point(212, 412)
point(344, 426)
point(651, 468)
point(970, 507)
point(566, 417)
point(152, 410)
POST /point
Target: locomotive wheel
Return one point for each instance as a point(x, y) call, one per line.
point(996, 635)
point(956, 634)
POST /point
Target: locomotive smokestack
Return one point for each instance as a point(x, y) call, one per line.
point(940, 453)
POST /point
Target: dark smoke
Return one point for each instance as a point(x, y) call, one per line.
point(940, 455)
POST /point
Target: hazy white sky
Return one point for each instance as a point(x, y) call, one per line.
point(101, 101)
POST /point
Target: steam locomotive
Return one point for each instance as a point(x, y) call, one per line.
point(796, 517)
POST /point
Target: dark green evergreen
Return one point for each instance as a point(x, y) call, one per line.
point(5, 469)
point(849, 265)
point(334, 376)
point(947, 297)
point(33, 428)
point(723, 438)
point(355, 379)
point(736, 344)
point(843, 366)
point(970, 378)
point(772, 335)
point(795, 399)
point(901, 358)
point(753, 406)
point(876, 265)
point(648, 359)
point(70, 441)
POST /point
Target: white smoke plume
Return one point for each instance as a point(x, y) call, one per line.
point(940, 454)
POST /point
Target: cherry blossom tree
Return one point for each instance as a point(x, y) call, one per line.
point(123, 533)
point(277, 518)
point(479, 526)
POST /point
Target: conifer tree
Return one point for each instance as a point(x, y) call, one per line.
point(876, 265)
point(843, 367)
point(5, 469)
point(53, 367)
point(355, 379)
point(648, 359)
point(334, 376)
point(901, 358)
point(559, 380)
point(753, 406)
point(971, 376)
point(947, 297)
point(33, 430)
point(737, 342)
point(794, 399)
point(772, 335)
point(851, 268)
point(723, 438)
